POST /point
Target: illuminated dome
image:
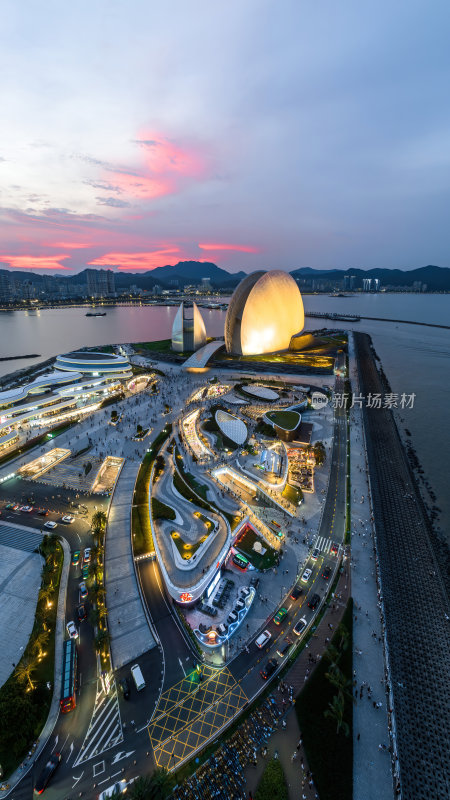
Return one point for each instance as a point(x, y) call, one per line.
point(265, 311)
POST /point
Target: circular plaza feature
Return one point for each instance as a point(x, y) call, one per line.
point(232, 427)
point(285, 423)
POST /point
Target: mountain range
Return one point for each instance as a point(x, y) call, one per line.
point(186, 272)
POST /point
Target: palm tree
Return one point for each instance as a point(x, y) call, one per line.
point(335, 711)
point(344, 636)
point(141, 788)
point(342, 684)
point(100, 593)
point(40, 641)
point(160, 784)
point(45, 593)
point(25, 670)
point(332, 655)
point(99, 520)
point(102, 640)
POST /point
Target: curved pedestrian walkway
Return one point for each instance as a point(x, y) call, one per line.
point(128, 627)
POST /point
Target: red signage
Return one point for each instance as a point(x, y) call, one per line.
point(186, 597)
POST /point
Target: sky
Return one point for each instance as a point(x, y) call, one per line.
point(253, 134)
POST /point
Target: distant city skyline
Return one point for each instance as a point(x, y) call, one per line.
point(250, 135)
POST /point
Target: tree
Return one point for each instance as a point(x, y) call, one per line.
point(45, 593)
point(25, 670)
point(335, 711)
point(40, 641)
point(342, 684)
point(99, 520)
point(102, 641)
point(344, 636)
point(272, 785)
point(332, 655)
point(141, 788)
point(160, 784)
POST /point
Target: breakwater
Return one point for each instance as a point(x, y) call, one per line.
point(414, 598)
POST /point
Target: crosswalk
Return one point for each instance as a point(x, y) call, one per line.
point(19, 539)
point(323, 544)
point(105, 728)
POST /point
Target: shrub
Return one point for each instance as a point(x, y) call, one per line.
point(272, 785)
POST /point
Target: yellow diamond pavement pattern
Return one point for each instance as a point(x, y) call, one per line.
point(189, 713)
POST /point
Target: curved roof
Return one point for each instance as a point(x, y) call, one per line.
point(265, 311)
point(261, 391)
point(92, 361)
point(40, 383)
point(232, 427)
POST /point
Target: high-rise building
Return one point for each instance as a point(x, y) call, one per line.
point(349, 282)
point(6, 288)
point(100, 282)
point(367, 284)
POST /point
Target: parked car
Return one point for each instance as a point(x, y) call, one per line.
point(87, 555)
point(300, 626)
point(262, 639)
point(85, 572)
point(326, 573)
point(47, 773)
point(26, 509)
point(83, 590)
point(76, 558)
point(296, 592)
point(314, 601)
point(306, 575)
point(50, 524)
point(43, 512)
point(72, 630)
point(81, 612)
point(269, 669)
point(124, 687)
point(280, 615)
point(16, 506)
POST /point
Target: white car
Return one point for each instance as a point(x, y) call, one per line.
point(72, 630)
point(262, 639)
point(68, 519)
point(87, 555)
point(300, 626)
point(50, 524)
point(306, 575)
point(114, 790)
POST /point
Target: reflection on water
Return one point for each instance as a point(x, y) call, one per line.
point(415, 359)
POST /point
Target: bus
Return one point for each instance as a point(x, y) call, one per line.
point(69, 676)
point(240, 561)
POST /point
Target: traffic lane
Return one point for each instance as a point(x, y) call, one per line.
point(178, 655)
point(137, 710)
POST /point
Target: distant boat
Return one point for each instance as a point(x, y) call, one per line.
point(96, 314)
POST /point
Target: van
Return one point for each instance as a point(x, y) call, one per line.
point(138, 677)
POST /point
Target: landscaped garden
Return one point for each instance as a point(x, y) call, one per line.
point(186, 549)
point(288, 420)
point(261, 561)
point(324, 710)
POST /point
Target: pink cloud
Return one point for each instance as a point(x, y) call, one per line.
point(239, 248)
point(70, 245)
point(35, 262)
point(166, 168)
point(134, 261)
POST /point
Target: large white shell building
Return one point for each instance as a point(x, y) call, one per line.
point(265, 311)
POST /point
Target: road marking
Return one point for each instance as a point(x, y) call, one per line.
point(77, 779)
point(70, 752)
point(56, 742)
point(181, 665)
point(121, 755)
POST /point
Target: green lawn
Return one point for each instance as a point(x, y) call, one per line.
point(140, 517)
point(292, 494)
point(245, 546)
point(161, 511)
point(329, 754)
point(288, 420)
